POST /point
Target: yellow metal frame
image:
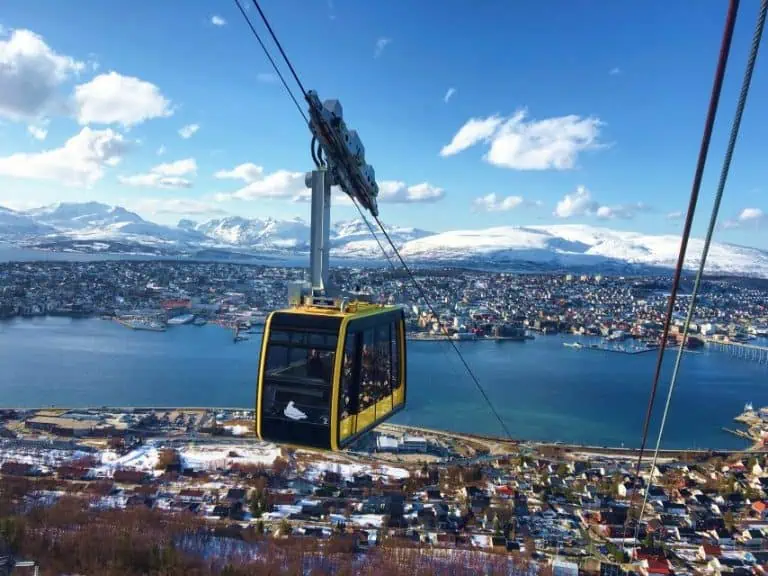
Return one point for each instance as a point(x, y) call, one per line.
point(354, 311)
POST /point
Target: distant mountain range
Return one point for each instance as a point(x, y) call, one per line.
point(96, 227)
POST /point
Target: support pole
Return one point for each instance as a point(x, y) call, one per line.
point(320, 183)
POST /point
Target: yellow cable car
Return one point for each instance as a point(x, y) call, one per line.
point(329, 374)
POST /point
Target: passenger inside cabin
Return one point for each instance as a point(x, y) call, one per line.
point(315, 367)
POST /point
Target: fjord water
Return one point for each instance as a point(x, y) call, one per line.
point(543, 390)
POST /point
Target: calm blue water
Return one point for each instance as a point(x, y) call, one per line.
point(543, 390)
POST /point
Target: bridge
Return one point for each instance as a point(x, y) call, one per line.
point(750, 352)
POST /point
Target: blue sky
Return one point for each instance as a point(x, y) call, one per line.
point(584, 112)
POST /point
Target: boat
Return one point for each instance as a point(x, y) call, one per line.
point(181, 319)
point(199, 321)
point(576, 345)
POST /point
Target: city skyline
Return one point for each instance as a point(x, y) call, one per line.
point(598, 122)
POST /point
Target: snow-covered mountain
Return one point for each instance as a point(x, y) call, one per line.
point(567, 245)
point(94, 221)
point(75, 226)
point(348, 238)
point(15, 225)
point(265, 234)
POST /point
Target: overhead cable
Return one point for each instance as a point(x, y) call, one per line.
point(747, 81)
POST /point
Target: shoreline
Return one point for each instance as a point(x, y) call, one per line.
point(498, 441)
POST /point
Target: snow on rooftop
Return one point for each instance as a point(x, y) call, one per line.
point(348, 471)
point(212, 456)
point(142, 458)
point(367, 520)
point(237, 430)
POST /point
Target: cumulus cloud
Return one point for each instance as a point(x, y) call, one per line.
point(280, 184)
point(493, 203)
point(188, 131)
point(161, 150)
point(755, 216)
point(474, 131)
point(581, 203)
point(381, 43)
point(621, 211)
point(30, 73)
point(291, 185)
point(116, 99)
point(614, 71)
point(396, 192)
point(169, 175)
point(248, 172)
point(449, 94)
point(180, 206)
point(217, 20)
point(80, 162)
point(37, 132)
point(521, 144)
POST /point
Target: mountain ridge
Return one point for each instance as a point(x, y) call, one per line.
point(76, 226)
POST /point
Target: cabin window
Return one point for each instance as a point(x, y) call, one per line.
point(367, 370)
point(301, 355)
point(395, 346)
point(349, 370)
point(383, 362)
point(298, 378)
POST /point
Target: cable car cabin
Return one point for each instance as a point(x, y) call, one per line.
point(327, 376)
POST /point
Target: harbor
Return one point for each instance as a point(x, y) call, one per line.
point(757, 426)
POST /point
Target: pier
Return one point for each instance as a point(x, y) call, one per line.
point(749, 352)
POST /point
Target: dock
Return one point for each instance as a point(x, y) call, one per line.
point(749, 352)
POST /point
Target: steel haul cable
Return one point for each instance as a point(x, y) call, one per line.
point(383, 230)
point(753, 51)
point(725, 48)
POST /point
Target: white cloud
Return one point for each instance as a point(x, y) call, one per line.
point(755, 216)
point(181, 206)
point(493, 203)
point(37, 132)
point(178, 168)
point(449, 94)
point(218, 20)
point(188, 131)
point(80, 162)
point(30, 73)
point(169, 175)
point(581, 203)
point(291, 185)
point(115, 99)
point(267, 77)
point(676, 215)
point(161, 151)
point(549, 144)
point(614, 71)
point(621, 211)
point(475, 130)
point(152, 180)
point(381, 43)
point(248, 172)
point(396, 192)
point(280, 184)
point(749, 214)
